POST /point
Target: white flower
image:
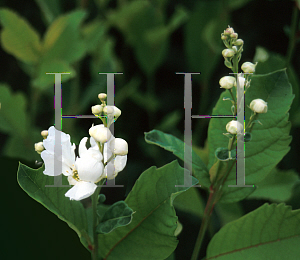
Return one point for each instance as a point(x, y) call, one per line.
point(100, 133)
point(83, 172)
point(248, 67)
point(119, 146)
point(67, 160)
point(234, 127)
point(112, 110)
point(259, 106)
point(227, 82)
point(116, 164)
point(228, 53)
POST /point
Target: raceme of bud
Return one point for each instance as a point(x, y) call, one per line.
point(248, 67)
point(238, 42)
point(44, 134)
point(227, 82)
point(39, 147)
point(228, 53)
point(97, 109)
point(259, 106)
point(119, 146)
point(112, 109)
point(102, 96)
point(234, 127)
point(100, 133)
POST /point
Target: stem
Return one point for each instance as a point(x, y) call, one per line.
point(205, 221)
point(292, 39)
point(95, 223)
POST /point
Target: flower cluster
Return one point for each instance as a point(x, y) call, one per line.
point(232, 55)
point(85, 171)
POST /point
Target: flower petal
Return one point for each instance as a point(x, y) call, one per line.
point(81, 190)
point(89, 169)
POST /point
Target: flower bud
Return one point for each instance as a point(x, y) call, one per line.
point(227, 82)
point(235, 49)
point(112, 109)
point(228, 53)
point(229, 31)
point(119, 146)
point(102, 96)
point(234, 127)
point(259, 106)
point(238, 42)
point(97, 109)
point(223, 37)
point(100, 133)
point(248, 67)
point(234, 35)
point(44, 134)
point(39, 147)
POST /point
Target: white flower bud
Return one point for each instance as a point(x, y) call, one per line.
point(238, 42)
point(248, 67)
point(44, 134)
point(112, 109)
point(234, 127)
point(119, 146)
point(100, 133)
point(259, 106)
point(39, 147)
point(228, 53)
point(227, 82)
point(234, 35)
point(102, 96)
point(97, 109)
point(229, 31)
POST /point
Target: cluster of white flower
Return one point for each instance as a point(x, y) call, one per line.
point(91, 165)
point(232, 55)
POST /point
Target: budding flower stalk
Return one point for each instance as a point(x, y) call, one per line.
point(259, 106)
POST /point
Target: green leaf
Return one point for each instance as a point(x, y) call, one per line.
point(277, 186)
point(13, 116)
point(176, 146)
point(269, 62)
point(62, 40)
point(150, 235)
point(143, 28)
point(270, 141)
point(19, 38)
point(118, 215)
point(93, 34)
point(191, 202)
point(269, 232)
point(43, 80)
point(50, 10)
point(33, 182)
